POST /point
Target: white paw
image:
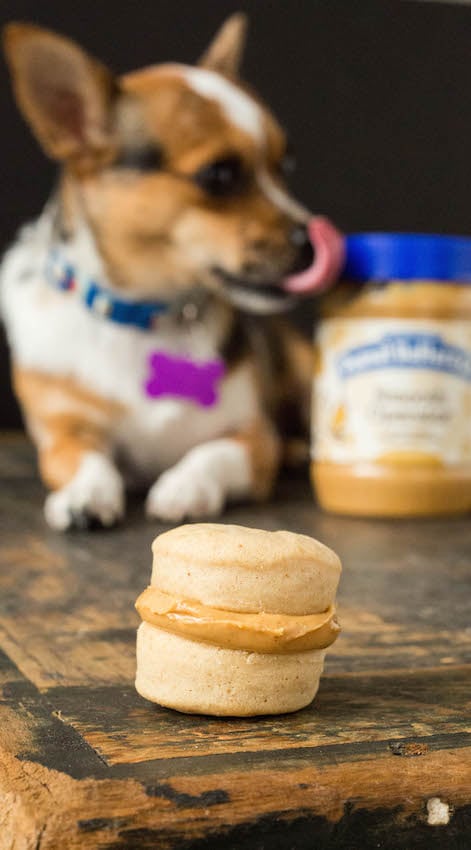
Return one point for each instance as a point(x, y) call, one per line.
point(177, 495)
point(200, 484)
point(94, 496)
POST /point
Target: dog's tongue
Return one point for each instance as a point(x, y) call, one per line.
point(329, 257)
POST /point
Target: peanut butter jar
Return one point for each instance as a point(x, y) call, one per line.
point(391, 409)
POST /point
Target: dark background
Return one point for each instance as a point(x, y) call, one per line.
point(376, 97)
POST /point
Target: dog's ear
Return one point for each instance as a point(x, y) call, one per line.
point(225, 52)
point(64, 94)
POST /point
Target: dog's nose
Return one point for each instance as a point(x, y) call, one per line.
point(299, 238)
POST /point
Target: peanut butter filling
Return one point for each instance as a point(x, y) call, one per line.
point(264, 633)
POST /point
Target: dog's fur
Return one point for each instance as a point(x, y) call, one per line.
point(131, 212)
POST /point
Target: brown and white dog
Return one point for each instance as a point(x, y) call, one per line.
point(127, 303)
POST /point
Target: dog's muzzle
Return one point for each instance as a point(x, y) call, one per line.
point(319, 261)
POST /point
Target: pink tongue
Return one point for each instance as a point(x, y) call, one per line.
point(329, 255)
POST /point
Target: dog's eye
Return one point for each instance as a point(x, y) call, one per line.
point(287, 164)
point(222, 178)
point(144, 158)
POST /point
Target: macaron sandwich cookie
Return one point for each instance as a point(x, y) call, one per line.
point(236, 620)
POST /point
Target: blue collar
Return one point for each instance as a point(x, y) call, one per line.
point(102, 301)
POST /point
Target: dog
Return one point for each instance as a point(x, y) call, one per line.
point(141, 306)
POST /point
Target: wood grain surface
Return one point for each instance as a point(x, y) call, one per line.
point(86, 763)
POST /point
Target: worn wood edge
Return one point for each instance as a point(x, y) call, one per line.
point(357, 830)
point(287, 759)
point(124, 728)
point(41, 805)
point(34, 729)
point(51, 726)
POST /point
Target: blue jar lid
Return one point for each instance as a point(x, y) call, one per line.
point(407, 256)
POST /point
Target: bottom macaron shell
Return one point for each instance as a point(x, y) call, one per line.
point(200, 678)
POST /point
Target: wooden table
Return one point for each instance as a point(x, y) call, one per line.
point(86, 763)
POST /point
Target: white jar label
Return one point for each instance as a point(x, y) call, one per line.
point(392, 390)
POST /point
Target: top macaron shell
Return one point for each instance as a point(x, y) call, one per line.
point(246, 569)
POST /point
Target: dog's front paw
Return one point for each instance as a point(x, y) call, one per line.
point(199, 485)
point(177, 496)
point(93, 498)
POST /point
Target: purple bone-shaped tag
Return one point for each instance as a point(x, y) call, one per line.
point(183, 378)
